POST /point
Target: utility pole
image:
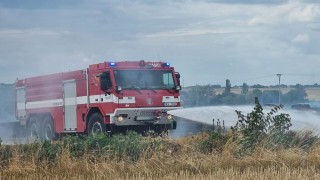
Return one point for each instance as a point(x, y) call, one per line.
point(279, 76)
point(197, 95)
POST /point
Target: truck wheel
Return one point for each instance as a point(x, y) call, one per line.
point(48, 129)
point(33, 129)
point(96, 124)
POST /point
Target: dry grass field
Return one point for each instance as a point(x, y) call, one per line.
point(165, 158)
point(292, 156)
point(313, 93)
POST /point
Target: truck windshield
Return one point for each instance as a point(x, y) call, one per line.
point(144, 79)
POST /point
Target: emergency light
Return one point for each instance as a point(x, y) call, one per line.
point(112, 64)
point(166, 65)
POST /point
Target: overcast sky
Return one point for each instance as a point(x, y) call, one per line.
point(207, 41)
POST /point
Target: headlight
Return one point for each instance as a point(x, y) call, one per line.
point(170, 117)
point(121, 117)
point(170, 104)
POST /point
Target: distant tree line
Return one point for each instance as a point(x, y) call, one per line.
point(207, 95)
point(316, 85)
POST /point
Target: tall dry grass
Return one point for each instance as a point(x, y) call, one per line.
point(260, 146)
point(170, 159)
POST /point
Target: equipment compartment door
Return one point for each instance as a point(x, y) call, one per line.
point(70, 106)
point(21, 103)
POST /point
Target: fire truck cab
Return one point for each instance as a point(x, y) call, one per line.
point(105, 97)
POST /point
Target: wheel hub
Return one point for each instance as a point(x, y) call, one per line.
point(96, 128)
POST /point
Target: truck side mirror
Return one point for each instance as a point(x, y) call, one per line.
point(105, 81)
point(178, 75)
point(178, 78)
point(118, 89)
point(177, 88)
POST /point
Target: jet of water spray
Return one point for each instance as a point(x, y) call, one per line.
point(301, 120)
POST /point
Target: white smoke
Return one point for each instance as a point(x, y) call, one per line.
point(7, 116)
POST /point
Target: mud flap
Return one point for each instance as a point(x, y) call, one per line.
point(174, 125)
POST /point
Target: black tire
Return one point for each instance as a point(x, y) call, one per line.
point(47, 129)
point(96, 124)
point(33, 129)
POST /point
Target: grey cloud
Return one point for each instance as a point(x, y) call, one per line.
point(315, 28)
point(38, 4)
point(65, 37)
point(266, 2)
point(311, 1)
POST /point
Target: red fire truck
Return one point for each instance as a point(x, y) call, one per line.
point(105, 97)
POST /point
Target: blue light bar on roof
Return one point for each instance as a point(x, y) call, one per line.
point(166, 65)
point(112, 64)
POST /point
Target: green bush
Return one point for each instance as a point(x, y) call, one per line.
point(6, 153)
point(122, 147)
point(77, 145)
point(49, 151)
point(215, 140)
point(257, 127)
point(128, 147)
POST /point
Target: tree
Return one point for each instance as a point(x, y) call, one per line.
point(227, 88)
point(258, 86)
point(257, 93)
point(245, 88)
point(270, 96)
point(296, 95)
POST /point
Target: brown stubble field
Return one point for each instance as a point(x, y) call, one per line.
point(313, 93)
point(174, 159)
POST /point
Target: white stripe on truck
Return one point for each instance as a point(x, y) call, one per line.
point(83, 100)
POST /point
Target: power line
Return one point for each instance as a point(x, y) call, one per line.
point(301, 74)
point(255, 78)
point(238, 82)
point(273, 75)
